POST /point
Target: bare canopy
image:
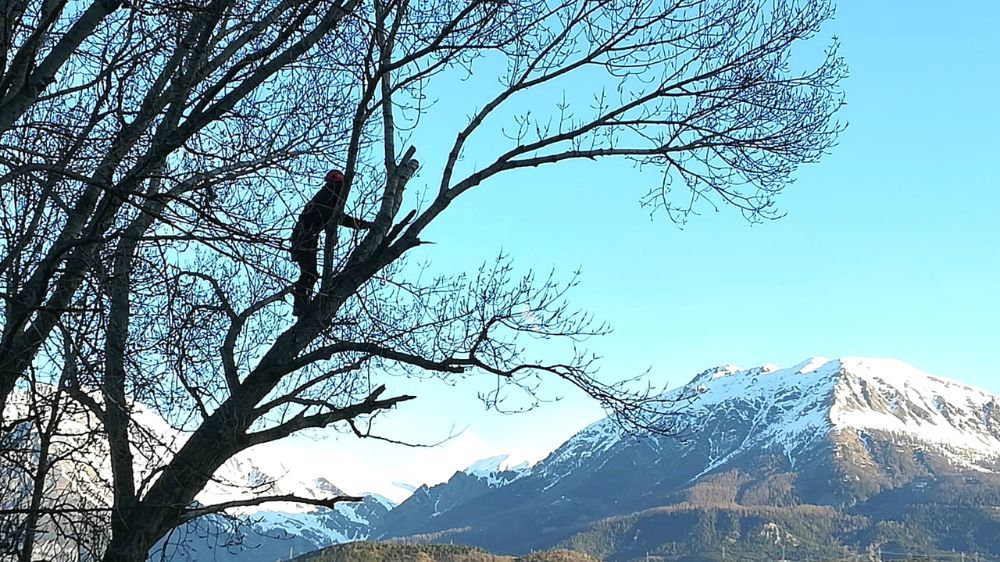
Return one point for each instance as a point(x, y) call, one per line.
point(154, 156)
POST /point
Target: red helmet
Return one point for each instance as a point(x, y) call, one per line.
point(335, 176)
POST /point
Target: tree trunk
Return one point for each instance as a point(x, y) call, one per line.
point(129, 545)
point(125, 553)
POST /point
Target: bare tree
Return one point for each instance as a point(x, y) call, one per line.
point(151, 166)
point(50, 474)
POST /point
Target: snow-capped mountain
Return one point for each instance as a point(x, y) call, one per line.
point(490, 469)
point(279, 532)
point(828, 457)
point(253, 474)
point(790, 409)
point(808, 401)
point(855, 438)
point(264, 532)
point(272, 531)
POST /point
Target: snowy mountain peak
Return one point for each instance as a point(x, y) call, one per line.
point(891, 396)
point(812, 364)
point(794, 406)
point(485, 467)
point(714, 373)
point(494, 465)
point(495, 470)
point(813, 378)
point(791, 409)
point(738, 375)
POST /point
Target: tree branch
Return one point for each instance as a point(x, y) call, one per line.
point(370, 405)
point(329, 503)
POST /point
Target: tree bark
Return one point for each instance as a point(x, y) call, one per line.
point(133, 546)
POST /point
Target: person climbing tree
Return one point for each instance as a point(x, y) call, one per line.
point(326, 208)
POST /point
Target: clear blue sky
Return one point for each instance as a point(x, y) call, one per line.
point(890, 246)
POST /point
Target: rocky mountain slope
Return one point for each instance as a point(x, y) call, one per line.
point(829, 455)
point(464, 487)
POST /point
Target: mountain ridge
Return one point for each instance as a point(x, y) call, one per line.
point(873, 446)
point(847, 436)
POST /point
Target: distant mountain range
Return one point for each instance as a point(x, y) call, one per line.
point(825, 460)
point(829, 458)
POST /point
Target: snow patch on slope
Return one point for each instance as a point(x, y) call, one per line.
point(495, 470)
point(485, 467)
point(318, 526)
point(889, 395)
